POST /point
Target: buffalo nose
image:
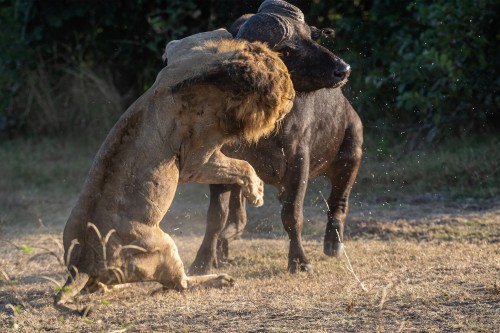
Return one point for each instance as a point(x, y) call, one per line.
point(342, 72)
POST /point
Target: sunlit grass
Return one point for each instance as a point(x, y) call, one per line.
point(41, 178)
point(45, 164)
point(457, 168)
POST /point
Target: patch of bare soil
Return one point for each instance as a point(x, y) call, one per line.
point(417, 264)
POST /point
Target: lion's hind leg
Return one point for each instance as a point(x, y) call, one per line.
point(171, 274)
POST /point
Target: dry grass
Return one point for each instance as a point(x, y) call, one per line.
point(429, 263)
point(428, 266)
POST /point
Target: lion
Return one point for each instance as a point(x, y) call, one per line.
point(215, 90)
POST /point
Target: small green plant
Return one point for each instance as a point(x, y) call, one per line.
point(16, 309)
point(64, 289)
point(26, 249)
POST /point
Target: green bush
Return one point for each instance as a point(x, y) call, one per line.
point(68, 66)
point(429, 67)
point(453, 79)
point(421, 70)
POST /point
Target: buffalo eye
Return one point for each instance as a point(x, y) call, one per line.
point(315, 33)
point(285, 51)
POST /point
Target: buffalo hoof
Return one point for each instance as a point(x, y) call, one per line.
point(296, 267)
point(222, 250)
point(333, 249)
point(203, 265)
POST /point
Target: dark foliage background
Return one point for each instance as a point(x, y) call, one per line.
point(422, 70)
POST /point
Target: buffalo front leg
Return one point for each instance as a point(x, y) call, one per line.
point(226, 220)
point(292, 215)
point(342, 175)
point(206, 258)
point(235, 224)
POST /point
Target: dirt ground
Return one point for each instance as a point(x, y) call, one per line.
point(424, 264)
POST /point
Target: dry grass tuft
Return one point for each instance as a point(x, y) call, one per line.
point(70, 99)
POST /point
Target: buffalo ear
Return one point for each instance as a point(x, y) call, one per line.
point(328, 33)
point(235, 27)
point(318, 33)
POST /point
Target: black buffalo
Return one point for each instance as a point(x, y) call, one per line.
point(321, 136)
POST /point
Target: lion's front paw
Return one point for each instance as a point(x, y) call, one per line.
point(224, 280)
point(217, 281)
point(254, 192)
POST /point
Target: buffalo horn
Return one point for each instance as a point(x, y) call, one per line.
point(281, 8)
point(272, 29)
point(272, 23)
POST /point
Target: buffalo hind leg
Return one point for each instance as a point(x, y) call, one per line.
point(342, 175)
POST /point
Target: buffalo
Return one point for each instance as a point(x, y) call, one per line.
point(321, 136)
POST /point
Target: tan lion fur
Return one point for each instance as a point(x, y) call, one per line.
point(214, 90)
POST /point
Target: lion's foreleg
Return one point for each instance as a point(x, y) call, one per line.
point(210, 281)
point(220, 169)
